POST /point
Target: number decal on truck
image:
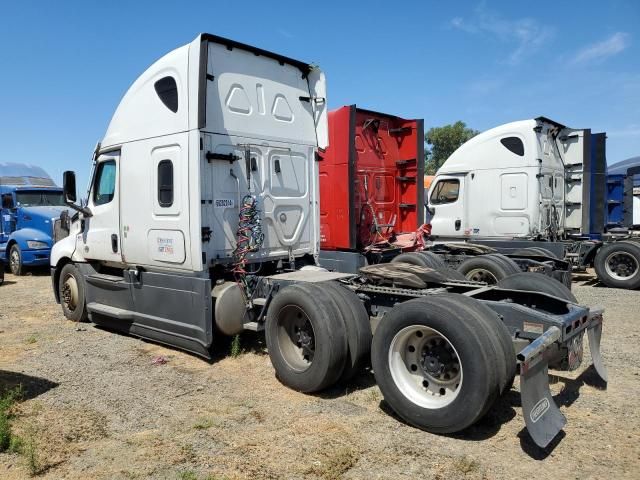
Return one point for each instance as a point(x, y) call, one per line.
point(223, 203)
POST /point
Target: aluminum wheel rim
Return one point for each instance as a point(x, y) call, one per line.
point(15, 260)
point(70, 293)
point(621, 265)
point(481, 275)
point(296, 338)
point(425, 366)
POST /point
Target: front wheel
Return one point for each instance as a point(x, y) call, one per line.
point(15, 260)
point(71, 291)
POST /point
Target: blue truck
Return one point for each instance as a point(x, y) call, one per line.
point(31, 203)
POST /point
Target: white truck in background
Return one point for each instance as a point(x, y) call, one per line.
point(202, 220)
point(536, 186)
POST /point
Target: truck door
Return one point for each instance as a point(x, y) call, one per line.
point(101, 240)
point(447, 201)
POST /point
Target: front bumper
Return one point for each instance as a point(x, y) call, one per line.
point(35, 258)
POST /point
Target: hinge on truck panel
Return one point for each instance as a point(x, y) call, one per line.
point(206, 234)
point(399, 131)
point(292, 259)
point(402, 163)
point(210, 77)
point(230, 157)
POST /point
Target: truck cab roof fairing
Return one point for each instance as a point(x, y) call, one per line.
point(143, 114)
point(464, 160)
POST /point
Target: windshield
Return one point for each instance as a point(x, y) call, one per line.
point(39, 199)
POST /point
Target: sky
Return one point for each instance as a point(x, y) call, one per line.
point(65, 65)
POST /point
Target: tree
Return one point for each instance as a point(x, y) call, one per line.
point(444, 141)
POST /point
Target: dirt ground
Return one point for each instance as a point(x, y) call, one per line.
point(97, 405)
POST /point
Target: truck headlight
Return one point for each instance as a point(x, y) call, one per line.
point(35, 245)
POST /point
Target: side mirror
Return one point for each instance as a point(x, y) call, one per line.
point(69, 186)
point(69, 192)
point(7, 201)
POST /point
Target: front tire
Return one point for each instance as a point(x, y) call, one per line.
point(71, 291)
point(15, 260)
point(435, 365)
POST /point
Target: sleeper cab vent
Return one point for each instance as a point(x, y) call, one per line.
point(167, 91)
point(514, 145)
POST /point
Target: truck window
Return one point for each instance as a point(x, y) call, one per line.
point(165, 183)
point(26, 198)
point(105, 185)
point(514, 145)
point(445, 191)
point(167, 90)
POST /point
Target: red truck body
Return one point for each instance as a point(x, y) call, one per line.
point(371, 179)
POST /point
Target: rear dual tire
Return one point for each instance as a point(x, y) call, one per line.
point(439, 363)
point(490, 268)
point(421, 259)
point(617, 264)
point(317, 335)
point(538, 282)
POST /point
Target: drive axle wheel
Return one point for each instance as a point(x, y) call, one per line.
point(306, 337)
point(434, 372)
point(621, 265)
point(618, 264)
point(490, 268)
point(72, 294)
point(295, 334)
point(436, 364)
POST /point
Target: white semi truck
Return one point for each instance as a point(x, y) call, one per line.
point(202, 220)
point(531, 187)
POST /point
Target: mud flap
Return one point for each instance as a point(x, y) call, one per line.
point(542, 417)
point(594, 332)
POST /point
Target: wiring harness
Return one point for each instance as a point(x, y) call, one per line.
point(249, 239)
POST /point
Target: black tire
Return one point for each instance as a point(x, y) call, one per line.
point(508, 263)
point(15, 260)
point(452, 274)
point(71, 291)
point(617, 264)
point(358, 327)
point(505, 356)
point(412, 258)
point(433, 260)
point(473, 346)
point(316, 313)
point(489, 268)
point(538, 282)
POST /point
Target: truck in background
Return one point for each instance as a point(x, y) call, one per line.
point(623, 195)
point(372, 181)
point(31, 204)
point(534, 184)
point(371, 188)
